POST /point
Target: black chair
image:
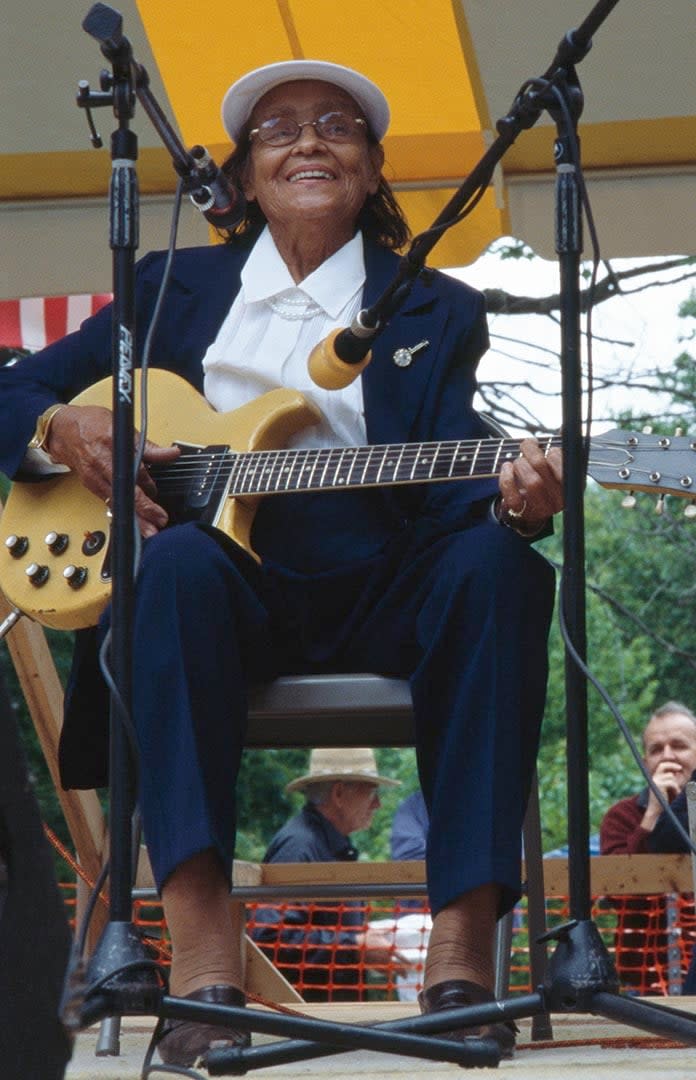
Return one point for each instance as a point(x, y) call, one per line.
point(370, 710)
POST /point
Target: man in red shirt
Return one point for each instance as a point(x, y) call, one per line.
point(669, 754)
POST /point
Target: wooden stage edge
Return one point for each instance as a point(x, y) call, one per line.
point(610, 874)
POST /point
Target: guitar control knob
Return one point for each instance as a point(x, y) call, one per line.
point(37, 574)
point(57, 542)
point(75, 576)
point(17, 545)
point(93, 542)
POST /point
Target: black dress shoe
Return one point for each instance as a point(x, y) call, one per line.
point(186, 1042)
point(457, 993)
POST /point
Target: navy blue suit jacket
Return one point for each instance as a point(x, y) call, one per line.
point(430, 399)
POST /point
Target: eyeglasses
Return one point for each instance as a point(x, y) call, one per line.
point(334, 127)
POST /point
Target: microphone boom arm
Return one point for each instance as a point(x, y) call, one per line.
point(104, 24)
point(529, 103)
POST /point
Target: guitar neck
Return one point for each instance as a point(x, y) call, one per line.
point(264, 472)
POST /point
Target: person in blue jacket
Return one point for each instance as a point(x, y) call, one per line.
point(409, 831)
point(436, 582)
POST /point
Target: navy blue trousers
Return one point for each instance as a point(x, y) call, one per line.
point(464, 616)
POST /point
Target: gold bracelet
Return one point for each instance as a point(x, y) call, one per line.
point(43, 427)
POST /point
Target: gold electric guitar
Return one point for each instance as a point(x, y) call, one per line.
point(54, 556)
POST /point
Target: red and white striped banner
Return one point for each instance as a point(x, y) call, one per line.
point(36, 322)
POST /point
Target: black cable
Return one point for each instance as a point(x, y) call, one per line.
point(623, 726)
point(81, 938)
point(580, 663)
point(594, 239)
point(123, 713)
point(170, 1070)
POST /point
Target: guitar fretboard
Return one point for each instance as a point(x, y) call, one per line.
point(264, 472)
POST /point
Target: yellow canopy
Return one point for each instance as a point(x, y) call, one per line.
point(450, 69)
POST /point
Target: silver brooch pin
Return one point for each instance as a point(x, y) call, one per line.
point(403, 357)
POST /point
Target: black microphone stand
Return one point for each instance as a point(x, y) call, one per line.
point(125, 979)
point(582, 977)
point(120, 977)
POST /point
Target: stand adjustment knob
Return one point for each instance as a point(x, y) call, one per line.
point(57, 542)
point(37, 574)
point(75, 576)
point(17, 545)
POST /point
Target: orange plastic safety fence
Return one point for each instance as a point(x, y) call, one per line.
point(650, 938)
point(313, 945)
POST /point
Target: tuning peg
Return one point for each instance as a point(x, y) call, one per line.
point(647, 430)
point(660, 505)
point(629, 501)
point(690, 511)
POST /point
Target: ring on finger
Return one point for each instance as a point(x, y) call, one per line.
point(516, 514)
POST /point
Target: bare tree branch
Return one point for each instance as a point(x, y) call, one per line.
point(500, 302)
point(637, 621)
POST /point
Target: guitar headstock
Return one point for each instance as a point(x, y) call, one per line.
point(633, 461)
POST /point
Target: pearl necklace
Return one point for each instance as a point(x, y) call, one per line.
point(293, 307)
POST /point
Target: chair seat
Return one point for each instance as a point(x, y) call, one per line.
point(337, 710)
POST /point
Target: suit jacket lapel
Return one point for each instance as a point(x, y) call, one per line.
point(199, 297)
point(392, 394)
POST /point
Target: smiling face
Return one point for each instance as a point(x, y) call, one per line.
point(313, 181)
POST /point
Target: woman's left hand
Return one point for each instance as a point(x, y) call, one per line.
point(531, 487)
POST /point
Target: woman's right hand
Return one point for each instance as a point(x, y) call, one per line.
point(81, 437)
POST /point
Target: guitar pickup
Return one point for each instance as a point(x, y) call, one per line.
point(193, 488)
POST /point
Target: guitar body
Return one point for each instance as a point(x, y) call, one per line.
point(61, 505)
point(54, 562)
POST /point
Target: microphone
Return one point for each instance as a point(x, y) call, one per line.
point(337, 360)
point(221, 205)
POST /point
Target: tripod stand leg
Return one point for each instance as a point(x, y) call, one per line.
point(536, 907)
point(503, 945)
point(109, 1040)
point(579, 968)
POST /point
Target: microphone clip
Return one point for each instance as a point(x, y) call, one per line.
point(201, 176)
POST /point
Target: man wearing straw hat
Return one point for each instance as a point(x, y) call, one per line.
point(322, 946)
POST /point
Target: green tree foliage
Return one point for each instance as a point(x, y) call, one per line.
point(640, 602)
point(622, 663)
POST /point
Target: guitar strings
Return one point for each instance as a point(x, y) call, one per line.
point(200, 472)
point(436, 459)
point(267, 472)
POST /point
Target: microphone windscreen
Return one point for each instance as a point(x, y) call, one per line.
point(327, 370)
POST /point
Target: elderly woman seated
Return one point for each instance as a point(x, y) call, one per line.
point(435, 582)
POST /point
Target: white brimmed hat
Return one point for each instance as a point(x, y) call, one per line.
point(327, 764)
point(240, 99)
